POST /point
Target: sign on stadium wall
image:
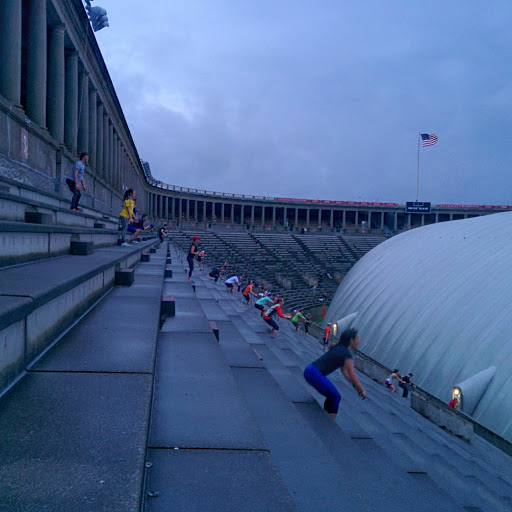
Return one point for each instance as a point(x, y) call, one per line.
point(413, 207)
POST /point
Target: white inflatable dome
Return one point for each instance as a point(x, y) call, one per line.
point(437, 301)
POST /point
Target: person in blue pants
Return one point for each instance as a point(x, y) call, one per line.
point(340, 356)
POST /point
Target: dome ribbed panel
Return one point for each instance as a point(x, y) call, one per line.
point(437, 301)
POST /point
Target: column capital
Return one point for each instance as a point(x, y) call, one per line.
point(61, 27)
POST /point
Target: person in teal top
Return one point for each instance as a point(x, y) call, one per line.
point(263, 302)
point(296, 318)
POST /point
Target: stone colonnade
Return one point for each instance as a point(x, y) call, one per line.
point(62, 89)
point(272, 214)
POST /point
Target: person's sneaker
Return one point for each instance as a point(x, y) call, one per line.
point(125, 244)
point(135, 242)
point(75, 210)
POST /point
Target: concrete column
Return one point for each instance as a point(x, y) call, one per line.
point(105, 145)
point(117, 148)
point(232, 213)
point(357, 218)
point(93, 128)
point(111, 153)
point(307, 217)
point(71, 102)
point(344, 218)
point(180, 209)
point(285, 213)
point(252, 215)
point(273, 216)
point(125, 169)
point(423, 220)
point(222, 212)
point(262, 215)
point(204, 211)
point(331, 219)
point(173, 205)
point(195, 210)
point(188, 210)
point(83, 112)
point(319, 217)
point(99, 140)
point(115, 169)
point(36, 62)
point(10, 50)
point(56, 84)
point(395, 221)
point(296, 217)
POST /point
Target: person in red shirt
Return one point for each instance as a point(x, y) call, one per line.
point(326, 337)
point(453, 403)
point(270, 312)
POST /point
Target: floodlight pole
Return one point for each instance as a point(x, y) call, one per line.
point(418, 169)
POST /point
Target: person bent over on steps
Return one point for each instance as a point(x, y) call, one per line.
point(340, 356)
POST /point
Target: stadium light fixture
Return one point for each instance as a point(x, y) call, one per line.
point(97, 16)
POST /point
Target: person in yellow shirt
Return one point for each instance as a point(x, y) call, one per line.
point(126, 214)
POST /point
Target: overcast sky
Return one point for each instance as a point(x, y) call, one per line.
point(318, 99)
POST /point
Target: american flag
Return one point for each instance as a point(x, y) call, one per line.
point(429, 139)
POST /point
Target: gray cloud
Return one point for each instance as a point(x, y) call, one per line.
point(301, 99)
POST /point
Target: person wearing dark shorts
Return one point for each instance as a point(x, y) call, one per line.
point(248, 292)
point(161, 232)
point(263, 302)
point(215, 274)
point(276, 308)
point(230, 283)
point(192, 253)
point(307, 323)
point(340, 356)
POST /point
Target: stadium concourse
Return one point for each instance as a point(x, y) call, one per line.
point(171, 395)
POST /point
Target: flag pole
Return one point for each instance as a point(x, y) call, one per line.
point(418, 169)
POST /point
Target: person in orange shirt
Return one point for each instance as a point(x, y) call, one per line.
point(326, 337)
point(248, 292)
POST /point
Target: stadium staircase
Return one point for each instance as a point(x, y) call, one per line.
point(170, 395)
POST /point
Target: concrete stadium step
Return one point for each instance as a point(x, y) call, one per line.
point(74, 430)
point(22, 242)
point(384, 484)
point(16, 200)
point(460, 482)
point(40, 300)
point(201, 429)
point(314, 479)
